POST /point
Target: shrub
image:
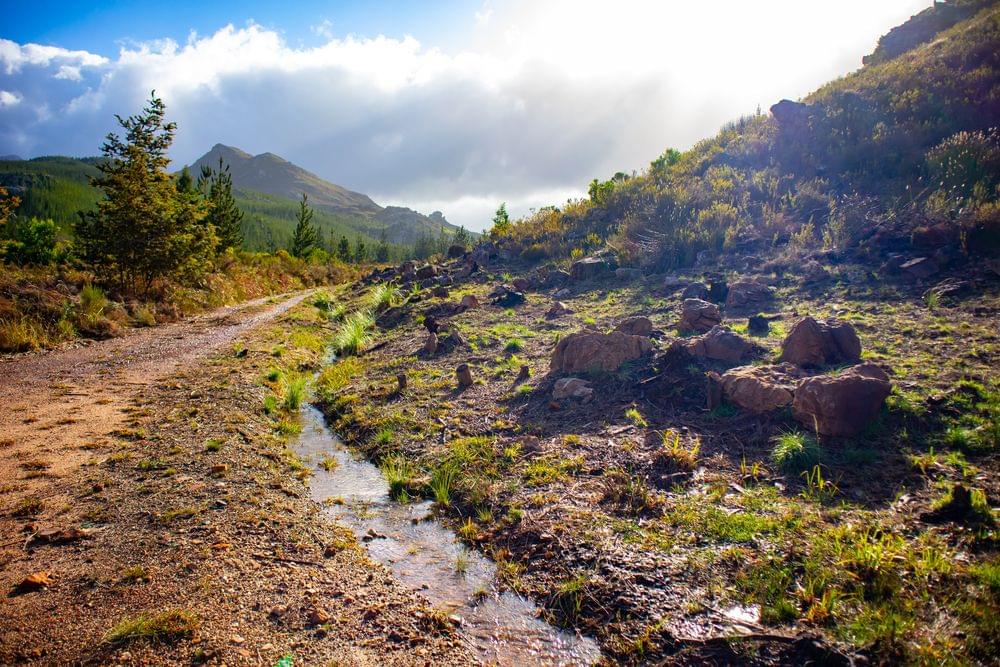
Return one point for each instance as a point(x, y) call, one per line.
point(167, 625)
point(353, 336)
point(33, 241)
point(794, 451)
point(21, 335)
point(294, 392)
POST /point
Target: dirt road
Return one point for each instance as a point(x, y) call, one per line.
point(150, 547)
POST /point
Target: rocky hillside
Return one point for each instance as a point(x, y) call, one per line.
point(901, 156)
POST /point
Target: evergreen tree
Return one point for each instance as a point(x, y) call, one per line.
point(306, 237)
point(344, 249)
point(143, 228)
point(185, 184)
point(461, 237)
point(501, 222)
point(360, 251)
point(382, 249)
point(223, 213)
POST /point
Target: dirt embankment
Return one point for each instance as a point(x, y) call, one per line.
point(146, 490)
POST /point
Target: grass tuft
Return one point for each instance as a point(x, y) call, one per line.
point(794, 451)
point(167, 625)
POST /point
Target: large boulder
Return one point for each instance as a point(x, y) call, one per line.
point(635, 326)
point(427, 271)
point(469, 301)
point(558, 309)
point(761, 388)
point(456, 250)
point(746, 292)
point(556, 278)
point(588, 351)
point(695, 291)
point(815, 343)
point(591, 267)
point(721, 344)
point(842, 404)
point(699, 316)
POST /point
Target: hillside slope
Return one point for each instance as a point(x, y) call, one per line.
point(899, 146)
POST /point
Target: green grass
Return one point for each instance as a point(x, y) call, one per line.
point(213, 445)
point(399, 472)
point(795, 451)
point(295, 391)
point(353, 336)
point(443, 480)
point(382, 297)
point(167, 626)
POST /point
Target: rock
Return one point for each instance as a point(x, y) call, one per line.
point(556, 278)
point(695, 291)
point(427, 271)
point(589, 268)
point(430, 345)
point(627, 275)
point(815, 343)
point(464, 375)
point(635, 326)
point(430, 323)
point(673, 283)
point(484, 253)
point(440, 292)
point(220, 469)
point(572, 388)
point(698, 315)
point(760, 388)
point(33, 582)
point(758, 325)
point(509, 299)
point(814, 272)
point(842, 404)
point(406, 267)
point(561, 294)
point(453, 339)
point(713, 390)
point(60, 536)
point(444, 280)
point(718, 290)
point(744, 293)
point(456, 251)
point(919, 268)
point(469, 301)
point(788, 112)
point(400, 382)
point(319, 616)
point(558, 309)
point(587, 351)
point(523, 374)
point(521, 284)
point(719, 343)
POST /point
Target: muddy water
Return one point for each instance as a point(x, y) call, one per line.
point(502, 628)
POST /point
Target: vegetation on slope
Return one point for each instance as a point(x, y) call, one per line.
point(895, 151)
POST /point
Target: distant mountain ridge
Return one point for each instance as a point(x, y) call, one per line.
point(273, 175)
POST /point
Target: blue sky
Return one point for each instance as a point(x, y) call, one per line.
point(102, 27)
point(453, 106)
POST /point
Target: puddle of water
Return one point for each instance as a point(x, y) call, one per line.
point(503, 628)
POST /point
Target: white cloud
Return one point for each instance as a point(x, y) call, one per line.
point(546, 97)
point(9, 99)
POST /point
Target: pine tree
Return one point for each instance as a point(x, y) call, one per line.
point(382, 249)
point(360, 251)
point(344, 249)
point(223, 213)
point(501, 222)
point(185, 184)
point(461, 237)
point(306, 237)
point(143, 228)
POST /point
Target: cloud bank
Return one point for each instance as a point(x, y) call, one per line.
point(544, 97)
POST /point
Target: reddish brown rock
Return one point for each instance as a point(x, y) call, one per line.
point(469, 301)
point(842, 404)
point(572, 388)
point(588, 351)
point(746, 292)
point(635, 326)
point(464, 375)
point(558, 309)
point(33, 582)
point(719, 343)
point(815, 343)
point(760, 388)
point(698, 315)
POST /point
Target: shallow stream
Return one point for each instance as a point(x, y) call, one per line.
point(502, 628)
